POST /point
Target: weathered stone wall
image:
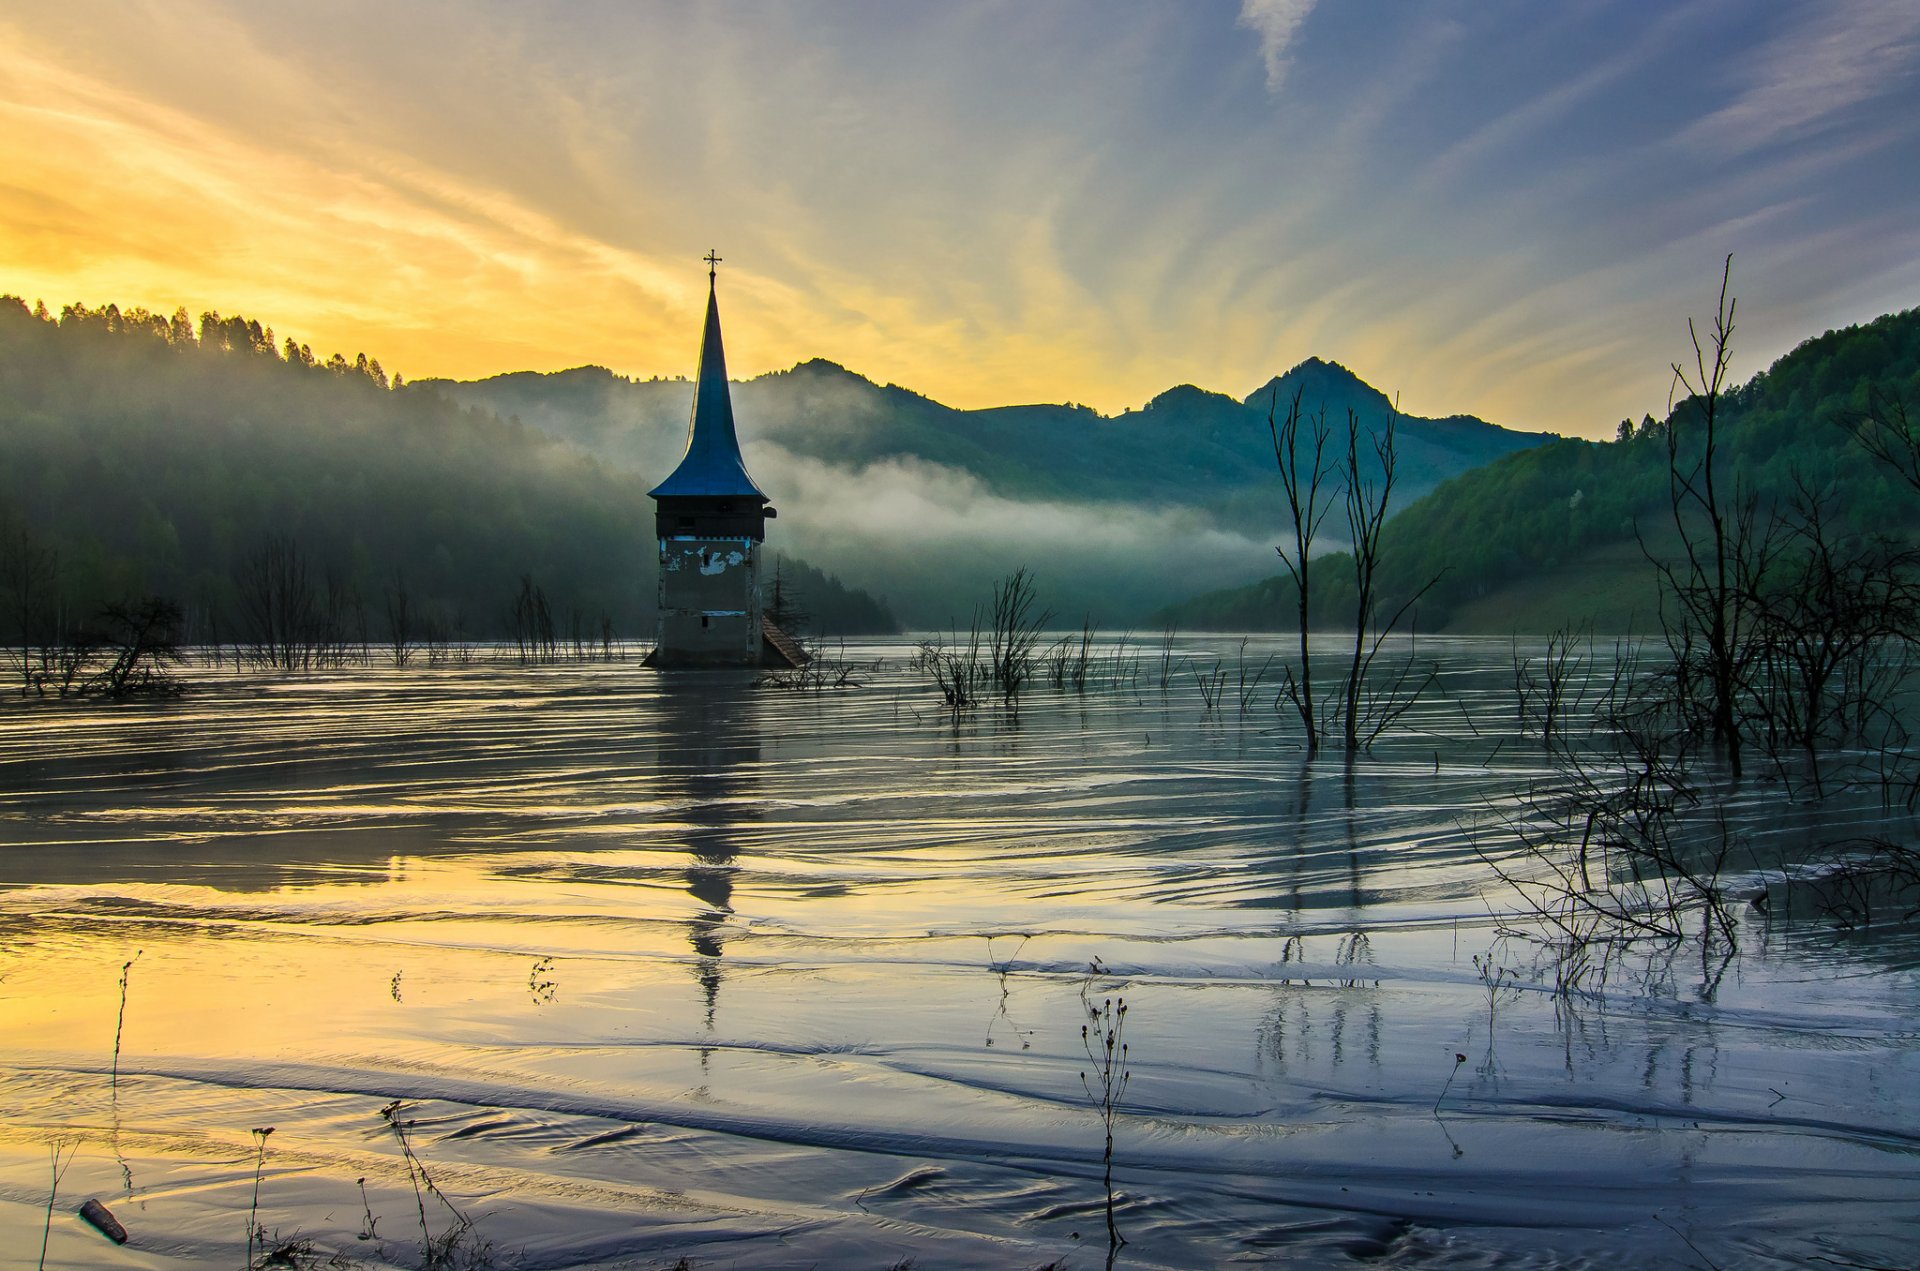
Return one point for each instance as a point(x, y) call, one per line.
point(709, 601)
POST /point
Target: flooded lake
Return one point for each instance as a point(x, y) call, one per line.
point(664, 966)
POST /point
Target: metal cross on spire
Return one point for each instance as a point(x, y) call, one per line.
point(713, 260)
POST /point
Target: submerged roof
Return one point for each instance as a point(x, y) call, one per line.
point(712, 465)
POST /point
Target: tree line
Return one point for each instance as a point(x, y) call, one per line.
point(150, 456)
point(1548, 512)
point(230, 335)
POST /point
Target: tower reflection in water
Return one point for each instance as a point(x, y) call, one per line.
point(707, 755)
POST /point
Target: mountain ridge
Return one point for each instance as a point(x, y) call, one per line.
point(1323, 374)
point(205, 443)
point(1187, 445)
point(929, 504)
point(1560, 533)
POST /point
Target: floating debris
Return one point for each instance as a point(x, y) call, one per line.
point(104, 1221)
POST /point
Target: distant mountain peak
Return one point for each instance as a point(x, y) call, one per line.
point(1319, 364)
point(1321, 381)
point(1184, 395)
point(821, 365)
point(819, 369)
point(588, 374)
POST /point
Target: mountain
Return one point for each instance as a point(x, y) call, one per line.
point(1554, 534)
point(1187, 447)
point(159, 455)
point(930, 504)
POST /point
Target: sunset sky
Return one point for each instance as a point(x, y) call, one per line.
point(1506, 208)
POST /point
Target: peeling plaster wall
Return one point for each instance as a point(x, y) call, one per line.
point(709, 601)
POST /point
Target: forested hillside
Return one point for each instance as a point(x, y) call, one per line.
point(156, 455)
point(1552, 534)
point(1114, 516)
point(1187, 447)
point(163, 455)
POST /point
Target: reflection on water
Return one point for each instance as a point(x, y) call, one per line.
point(341, 885)
point(707, 754)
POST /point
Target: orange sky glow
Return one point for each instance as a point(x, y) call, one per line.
point(475, 190)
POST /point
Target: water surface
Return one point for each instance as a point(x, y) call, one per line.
point(666, 965)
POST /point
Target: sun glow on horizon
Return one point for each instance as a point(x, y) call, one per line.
point(929, 205)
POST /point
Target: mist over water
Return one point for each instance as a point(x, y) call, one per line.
point(926, 536)
point(667, 965)
point(868, 494)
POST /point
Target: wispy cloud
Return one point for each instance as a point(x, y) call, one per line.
point(1275, 22)
point(987, 201)
point(1841, 57)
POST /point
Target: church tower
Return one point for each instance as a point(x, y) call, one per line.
point(711, 521)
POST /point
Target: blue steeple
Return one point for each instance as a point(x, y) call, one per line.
point(712, 466)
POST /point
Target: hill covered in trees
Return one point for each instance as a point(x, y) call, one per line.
point(1114, 516)
point(148, 454)
point(1187, 447)
point(1553, 535)
point(159, 455)
point(156, 454)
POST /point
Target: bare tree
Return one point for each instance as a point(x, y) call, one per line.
point(1365, 711)
point(998, 652)
point(144, 636)
point(533, 633)
point(1822, 610)
point(1307, 508)
point(342, 620)
point(438, 632)
point(30, 574)
point(1013, 631)
point(400, 621)
point(277, 604)
point(1886, 433)
point(1707, 627)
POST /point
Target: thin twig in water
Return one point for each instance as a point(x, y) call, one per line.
point(254, 1231)
point(1001, 967)
point(435, 1252)
point(120, 1024)
point(1103, 1037)
point(367, 1205)
point(62, 1157)
point(1458, 1059)
point(1712, 1265)
point(390, 1114)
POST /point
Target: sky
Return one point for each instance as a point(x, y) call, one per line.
point(1498, 207)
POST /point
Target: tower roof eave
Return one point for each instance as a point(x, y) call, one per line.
point(708, 485)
